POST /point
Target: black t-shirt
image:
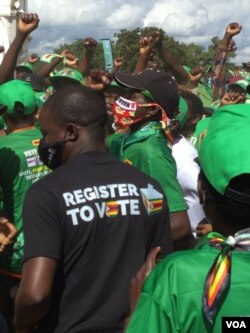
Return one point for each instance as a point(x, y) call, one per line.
point(99, 218)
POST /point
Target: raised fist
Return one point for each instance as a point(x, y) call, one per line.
point(27, 23)
point(196, 73)
point(90, 44)
point(233, 29)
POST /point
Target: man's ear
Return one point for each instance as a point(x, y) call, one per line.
point(71, 133)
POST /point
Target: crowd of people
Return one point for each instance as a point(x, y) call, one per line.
point(125, 197)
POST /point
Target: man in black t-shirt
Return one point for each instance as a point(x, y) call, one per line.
point(88, 225)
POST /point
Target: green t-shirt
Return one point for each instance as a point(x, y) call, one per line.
point(205, 94)
point(147, 150)
point(20, 167)
point(200, 128)
point(172, 295)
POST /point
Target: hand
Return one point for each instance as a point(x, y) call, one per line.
point(1, 49)
point(233, 29)
point(233, 98)
point(196, 73)
point(90, 44)
point(232, 46)
point(27, 23)
point(203, 229)
point(118, 61)
point(98, 80)
point(34, 57)
point(136, 282)
point(69, 58)
point(8, 232)
point(148, 43)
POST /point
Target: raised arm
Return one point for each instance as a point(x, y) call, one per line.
point(25, 25)
point(226, 45)
point(90, 45)
point(172, 64)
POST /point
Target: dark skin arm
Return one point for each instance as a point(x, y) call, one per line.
point(181, 231)
point(90, 45)
point(69, 60)
point(34, 293)
point(25, 25)
point(226, 45)
point(146, 47)
point(172, 64)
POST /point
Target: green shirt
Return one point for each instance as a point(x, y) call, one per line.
point(20, 167)
point(170, 301)
point(200, 130)
point(147, 150)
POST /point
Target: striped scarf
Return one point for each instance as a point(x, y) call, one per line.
point(218, 278)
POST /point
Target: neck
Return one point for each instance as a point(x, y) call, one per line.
point(84, 146)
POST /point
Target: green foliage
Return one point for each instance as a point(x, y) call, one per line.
point(126, 44)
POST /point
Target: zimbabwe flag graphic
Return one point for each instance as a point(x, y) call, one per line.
point(112, 209)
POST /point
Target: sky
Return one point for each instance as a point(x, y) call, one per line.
point(63, 21)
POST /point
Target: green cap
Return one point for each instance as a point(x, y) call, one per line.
point(225, 149)
point(18, 91)
point(244, 84)
point(26, 65)
point(68, 73)
point(183, 111)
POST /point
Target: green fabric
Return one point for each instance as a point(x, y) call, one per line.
point(244, 84)
point(68, 73)
point(225, 150)
point(200, 128)
point(19, 169)
point(2, 123)
point(25, 65)
point(147, 150)
point(18, 91)
point(171, 299)
point(205, 94)
point(183, 111)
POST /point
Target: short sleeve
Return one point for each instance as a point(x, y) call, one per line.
point(42, 229)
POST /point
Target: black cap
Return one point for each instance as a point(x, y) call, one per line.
point(162, 87)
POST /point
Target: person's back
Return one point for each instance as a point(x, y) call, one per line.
point(94, 219)
point(191, 291)
point(20, 165)
point(171, 300)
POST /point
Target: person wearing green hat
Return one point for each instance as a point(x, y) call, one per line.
point(193, 290)
point(20, 167)
point(66, 76)
point(23, 69)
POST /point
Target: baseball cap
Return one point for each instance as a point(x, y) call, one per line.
point(240, 81)
point(17, 91)
point(68, 74)
point(225, 150)
point(161, 86)
point(25, 65)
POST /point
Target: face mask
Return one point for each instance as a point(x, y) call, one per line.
point(51, 155)
point(128, 112)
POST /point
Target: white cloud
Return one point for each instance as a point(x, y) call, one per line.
point(187, 21)
point(126, 16)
